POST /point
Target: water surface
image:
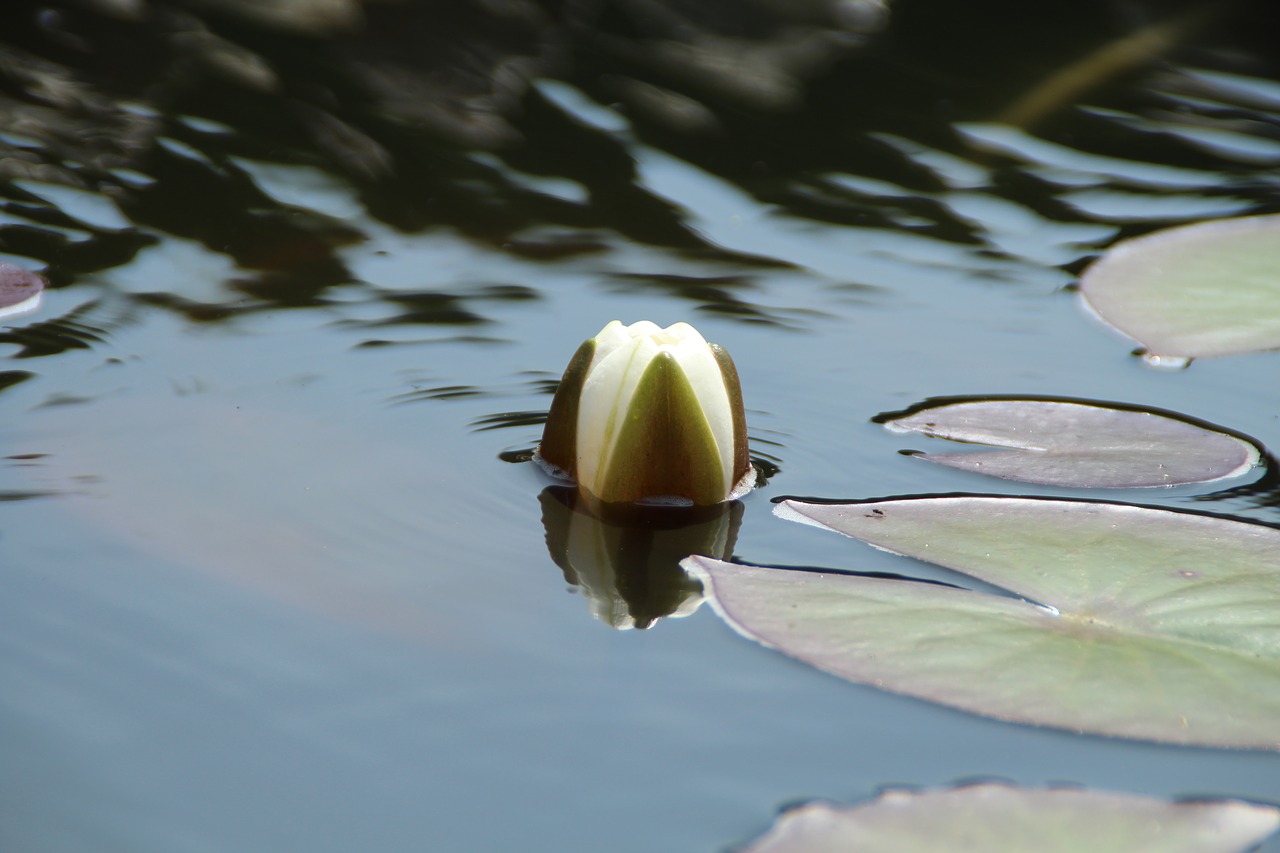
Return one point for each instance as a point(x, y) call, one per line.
point(269, 586)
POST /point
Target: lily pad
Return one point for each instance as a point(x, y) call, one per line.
point(1199, 290)
point(996, 818)
point(1121, 620)
point(20, 289)
point(1078, 445)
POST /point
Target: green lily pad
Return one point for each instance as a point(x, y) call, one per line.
point(1199, 290)
point(1122, 620)
point(996, 818)
point(1078, 445)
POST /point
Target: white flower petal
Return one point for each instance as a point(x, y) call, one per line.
point(694, 356)
point(606, 397)
point(644, 329)
point(622, 356)
point(611, 337)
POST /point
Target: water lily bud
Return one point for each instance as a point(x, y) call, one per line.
point(650, 414)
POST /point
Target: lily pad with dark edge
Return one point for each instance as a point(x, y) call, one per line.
point(998, 818)
point(1207, 289)
point(20, 289)
point(1123, 620)
point(1078, 445)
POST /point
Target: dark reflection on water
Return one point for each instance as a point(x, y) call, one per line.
point(713, 294)
point(8, 495)
point(22, 460)
point(429, 309)
point(52, 337)
point(374, 343)
point(626, 558)
point(436, 308)
point(420, 394)
point(193, 310)
point(73, 254)
point(1263, 493)
point(9, 378)
point(504, 420)
point(358, 102)
point(443, 392)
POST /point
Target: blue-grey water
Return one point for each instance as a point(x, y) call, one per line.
point(267, 585)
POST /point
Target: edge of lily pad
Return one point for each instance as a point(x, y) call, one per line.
point(953, 399)
point(1261, 819)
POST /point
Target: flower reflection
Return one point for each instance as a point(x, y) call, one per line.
point(626, 558)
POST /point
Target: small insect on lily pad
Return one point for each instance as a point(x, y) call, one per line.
point(1077, 444)
point(998, 818)
point(20, 289)
point(1207, 289)
point(1119, 620)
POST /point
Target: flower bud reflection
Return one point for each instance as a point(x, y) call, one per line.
point(626, 558)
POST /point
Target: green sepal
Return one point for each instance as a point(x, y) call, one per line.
point(559, 445)
point(741, 450)
point(665, 447)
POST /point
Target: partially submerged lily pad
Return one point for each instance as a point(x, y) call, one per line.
point(1123, 620)
point(1078, 445)
point(1199, 290)
point(996, 818)
point(20, 289)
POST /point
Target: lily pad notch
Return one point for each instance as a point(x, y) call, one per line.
point(1077, 443)
point(1121, 620)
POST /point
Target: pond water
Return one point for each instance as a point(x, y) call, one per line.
point(271, 583)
